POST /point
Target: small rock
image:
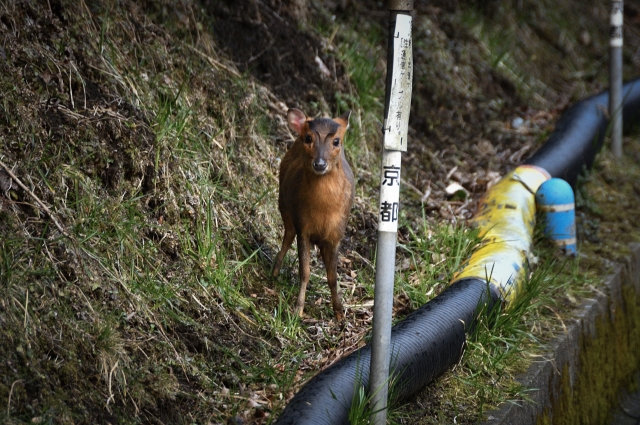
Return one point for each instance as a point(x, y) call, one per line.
point(456, 190)
point(516, 123)
point(322, 67)
point(236, 420)
point(585, 38)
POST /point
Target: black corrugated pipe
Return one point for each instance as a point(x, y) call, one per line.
point(431, 339)
point(423, 345)
point(580, 131)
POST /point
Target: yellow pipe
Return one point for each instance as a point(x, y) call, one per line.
point(506, 218)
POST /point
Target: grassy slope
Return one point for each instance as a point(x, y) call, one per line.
point(159, 158)
point(147, 165)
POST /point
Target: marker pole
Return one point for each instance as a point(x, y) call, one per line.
point(396, 122)
point(615, 76)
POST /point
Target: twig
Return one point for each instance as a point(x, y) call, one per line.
point(73, 106)
point(245, 317)
point(412, 187)
point(199, 303)
point(26, 306)
point(10, 394)
point(367, 262)
point(257, 55)
point(215, 63)
point(111, 396)
point(84, 89)
point(38, 201)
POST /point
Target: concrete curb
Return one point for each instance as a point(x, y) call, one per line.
point(544, 377)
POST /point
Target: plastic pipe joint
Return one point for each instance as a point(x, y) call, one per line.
point(555, 201)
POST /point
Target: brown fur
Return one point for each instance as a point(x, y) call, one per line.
point(315, 202)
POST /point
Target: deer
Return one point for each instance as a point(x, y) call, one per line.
point(315, 197)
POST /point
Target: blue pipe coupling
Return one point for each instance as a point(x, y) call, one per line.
point(555, 202)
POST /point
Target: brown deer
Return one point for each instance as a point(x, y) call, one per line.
point(316, 195)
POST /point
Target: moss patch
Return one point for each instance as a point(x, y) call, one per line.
point(606, 364)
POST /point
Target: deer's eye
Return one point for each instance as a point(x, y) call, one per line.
point(308, 139)
point(336, 142)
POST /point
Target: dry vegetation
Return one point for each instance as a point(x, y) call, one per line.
point(138, 216)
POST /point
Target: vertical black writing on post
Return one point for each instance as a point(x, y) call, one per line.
point(391, 175)
point(389, 211)
point(615, 30)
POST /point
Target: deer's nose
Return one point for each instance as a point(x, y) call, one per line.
point(319, 165)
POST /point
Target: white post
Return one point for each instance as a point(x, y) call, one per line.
point(615, 76)
point(396, 123)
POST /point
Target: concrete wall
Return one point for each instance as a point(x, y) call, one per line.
point(596, 358)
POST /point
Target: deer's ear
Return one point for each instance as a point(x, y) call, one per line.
point(296, 118)
point(344, 119)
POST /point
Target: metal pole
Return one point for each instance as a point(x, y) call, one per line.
point(396, 122)
point(615, 76)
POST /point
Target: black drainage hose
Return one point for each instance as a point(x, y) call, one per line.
point(431, 339)
point(580, 131)
point(423, 345)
